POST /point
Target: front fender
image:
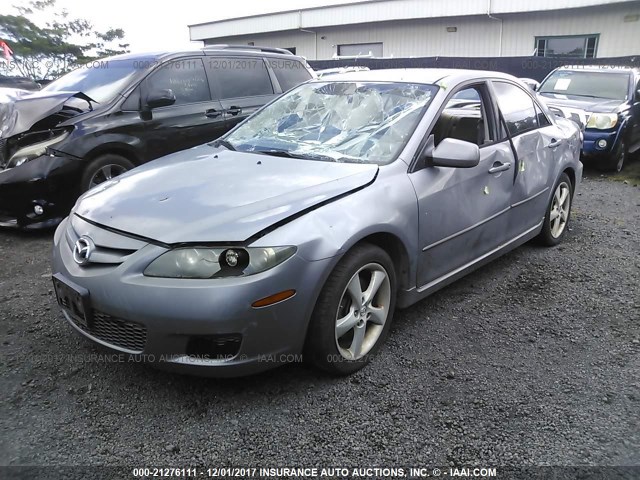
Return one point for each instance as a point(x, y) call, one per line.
point(389, 205)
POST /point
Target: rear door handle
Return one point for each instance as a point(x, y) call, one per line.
point(213, 113)
point(500, 167)
point(234, 110)
point(554, 143)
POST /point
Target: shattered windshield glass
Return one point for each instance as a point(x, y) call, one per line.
point(337, 121)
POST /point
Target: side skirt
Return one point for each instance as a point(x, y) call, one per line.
point(409, 297)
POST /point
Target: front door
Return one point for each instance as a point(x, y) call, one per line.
point(192, 120)
point(463, 210)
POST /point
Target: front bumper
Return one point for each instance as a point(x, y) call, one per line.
point(174, 312)
point(590, 147)
point(51, 182)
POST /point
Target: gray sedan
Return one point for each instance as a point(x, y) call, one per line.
point(303, 229)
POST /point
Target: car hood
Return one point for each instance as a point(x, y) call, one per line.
point(208, 194)
point(592, 105)
point(22, 110)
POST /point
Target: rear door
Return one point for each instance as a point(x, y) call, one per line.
point(463, 211)
point(193, 119)
point(538, 145)
point(242, 84)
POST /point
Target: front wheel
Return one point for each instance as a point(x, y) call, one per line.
point(558, 212)
point(617, 159)
point(354, 311)
point(104, 168)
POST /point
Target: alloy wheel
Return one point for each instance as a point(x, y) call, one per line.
point(107, 172)
point(560, 207)
point(363, 311)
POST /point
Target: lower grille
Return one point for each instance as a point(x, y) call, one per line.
point(115, 331)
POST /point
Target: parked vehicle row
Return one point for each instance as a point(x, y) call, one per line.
point(304, 227)
point(97, 122)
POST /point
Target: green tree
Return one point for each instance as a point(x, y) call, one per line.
point(62, 44)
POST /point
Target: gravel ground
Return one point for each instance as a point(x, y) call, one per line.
point(533, 360)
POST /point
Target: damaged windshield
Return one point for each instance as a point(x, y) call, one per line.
point(337, 121)
point(101, 81)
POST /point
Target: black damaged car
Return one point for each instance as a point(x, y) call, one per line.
point(101, 120)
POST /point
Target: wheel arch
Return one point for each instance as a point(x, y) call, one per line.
point(571, 173)
point(396, 249)
point(123, 150)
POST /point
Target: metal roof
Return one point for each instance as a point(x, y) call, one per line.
point(373, 11)
point(416, 75)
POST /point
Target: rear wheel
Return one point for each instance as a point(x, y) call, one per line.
point(354, 311)
point(104, 168)
point(558, 213)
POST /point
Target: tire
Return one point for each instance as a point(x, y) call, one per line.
point(334, 348)
point(552, 232)
point(616, 161)
point(104, 168)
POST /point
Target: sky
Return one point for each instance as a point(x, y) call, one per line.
point(162, 25)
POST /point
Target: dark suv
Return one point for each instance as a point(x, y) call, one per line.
point(605, 101)
point(105, 118)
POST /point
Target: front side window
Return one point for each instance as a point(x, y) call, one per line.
point(517, 108)
point(600, 84)
point(185, 78)
point(576, 46)
point(463, 118)
point(239, 77)
point(337, 121)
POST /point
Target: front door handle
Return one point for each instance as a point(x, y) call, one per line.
point(500, 167)
point(213, 113)
point(234, 110)
point(554, 143)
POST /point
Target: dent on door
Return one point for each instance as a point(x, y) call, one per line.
point(462, 212)
point(539, 154)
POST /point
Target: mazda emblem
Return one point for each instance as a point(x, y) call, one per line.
point(82, 250)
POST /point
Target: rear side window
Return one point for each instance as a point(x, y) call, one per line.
point(186, 78)
point(290, 73)
point(239, 77)
point(517, 108)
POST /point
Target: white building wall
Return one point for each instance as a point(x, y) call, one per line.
point(476, 36)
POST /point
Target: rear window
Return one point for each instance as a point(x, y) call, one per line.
point(290, 73)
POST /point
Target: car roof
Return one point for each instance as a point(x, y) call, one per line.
point(235, 50)
point(418, 75)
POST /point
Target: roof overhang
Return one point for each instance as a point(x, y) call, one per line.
point(373, 11)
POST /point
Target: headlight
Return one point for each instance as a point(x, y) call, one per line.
point(602, 121)
point(35, 150)
point(217, 262)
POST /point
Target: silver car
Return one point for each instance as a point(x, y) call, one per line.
point(300, 231)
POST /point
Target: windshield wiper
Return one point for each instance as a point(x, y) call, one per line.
point(223, 143)
point(289, 154)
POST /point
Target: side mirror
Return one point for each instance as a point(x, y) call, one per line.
point(455, 153)
point(161, 98)
point(535, 86)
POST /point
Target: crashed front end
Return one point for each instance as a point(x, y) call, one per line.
point(38, 184)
